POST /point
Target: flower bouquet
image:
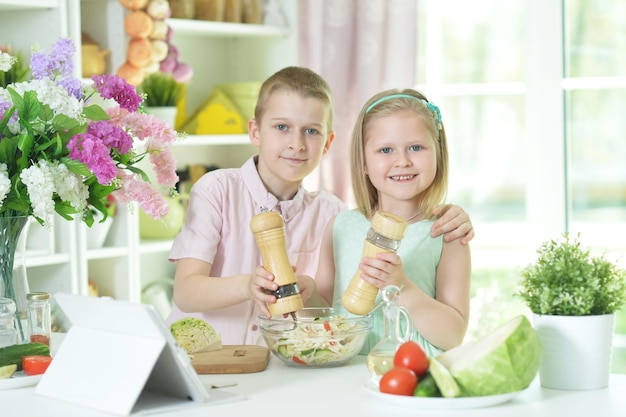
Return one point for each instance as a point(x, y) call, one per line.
point(61, 152)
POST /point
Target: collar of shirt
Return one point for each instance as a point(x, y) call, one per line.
point(263, 198)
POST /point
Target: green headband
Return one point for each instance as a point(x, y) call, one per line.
point(432, 107)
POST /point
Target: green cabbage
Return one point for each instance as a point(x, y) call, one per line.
point(195, 335)
point(506, 360)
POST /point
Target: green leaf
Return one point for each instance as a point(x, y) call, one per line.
point(65, 209)
point(46, 114)
point(76, 167)
point(30, 108)
point(25, 143)
point(140, 172)
point(95, 112)
point(62, 123)
point(8, 147)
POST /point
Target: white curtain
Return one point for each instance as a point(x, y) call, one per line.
point(360, 47)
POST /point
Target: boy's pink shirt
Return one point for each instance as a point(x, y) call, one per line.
point(217, 231)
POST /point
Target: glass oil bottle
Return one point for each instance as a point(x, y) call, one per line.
point(380, 358)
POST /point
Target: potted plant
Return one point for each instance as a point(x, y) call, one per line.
point(573, 296)
point(162, 93)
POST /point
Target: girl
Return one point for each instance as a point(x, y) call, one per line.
point(399, 162)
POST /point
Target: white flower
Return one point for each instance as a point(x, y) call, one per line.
point(39, 183)
point(5, 182)
point(6, 61)
point(51, 94)
point(70, 187)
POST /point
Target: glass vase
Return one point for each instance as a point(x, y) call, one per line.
point(14, 282)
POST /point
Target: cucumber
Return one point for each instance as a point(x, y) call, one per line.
point(427, 387)
point(13, 354)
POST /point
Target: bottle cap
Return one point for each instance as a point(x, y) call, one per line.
point(37, 296)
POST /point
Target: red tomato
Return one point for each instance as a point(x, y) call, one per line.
point(411, 355)
point(35, 364)
point(298, 360)
point(399, 381)
point(327, 326)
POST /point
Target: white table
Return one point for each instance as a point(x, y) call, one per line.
point(297, 392)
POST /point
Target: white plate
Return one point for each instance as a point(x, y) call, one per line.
point(438, 403)
point(19, 380)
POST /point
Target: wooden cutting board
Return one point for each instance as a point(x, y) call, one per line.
point(232, 359)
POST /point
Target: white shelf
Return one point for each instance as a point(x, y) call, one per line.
point(107, 252)
point(155, 246)
point(199, 28)
point(44, 259)
point(28, 4)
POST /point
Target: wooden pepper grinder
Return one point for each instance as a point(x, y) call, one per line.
point(269, 232)
point(385, 234)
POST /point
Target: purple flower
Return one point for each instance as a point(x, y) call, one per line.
point(39, 65)
point(73, 87)
point(58, 65)
point(111, 135)
point(62, 53)
point(112, 86)
point(89, 150)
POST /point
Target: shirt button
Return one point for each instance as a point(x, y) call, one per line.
point(255, 327)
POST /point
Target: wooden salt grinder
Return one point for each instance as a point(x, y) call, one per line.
point(384, 236)
point(269, 232)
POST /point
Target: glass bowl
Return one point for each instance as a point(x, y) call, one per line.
point(317, 338)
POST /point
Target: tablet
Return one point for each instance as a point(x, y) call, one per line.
point(120, 357)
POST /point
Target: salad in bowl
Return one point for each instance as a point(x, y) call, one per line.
point(316, 337)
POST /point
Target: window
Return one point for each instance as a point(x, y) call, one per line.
point(531, 96)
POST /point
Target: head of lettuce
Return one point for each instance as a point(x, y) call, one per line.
point(505, 360)
point(195, 335)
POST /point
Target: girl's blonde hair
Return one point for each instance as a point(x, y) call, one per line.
point(385, 104)
point(303, 81)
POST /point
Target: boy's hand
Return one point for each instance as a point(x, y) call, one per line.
point(261, 285)
point(453, 223)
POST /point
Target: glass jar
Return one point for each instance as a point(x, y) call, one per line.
point(8, 333)
point(39, 323)
point(380, 358)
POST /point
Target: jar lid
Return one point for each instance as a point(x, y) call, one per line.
point(37, 296)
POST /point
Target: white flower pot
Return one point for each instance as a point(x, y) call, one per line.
point(166, 114)
point(98, 232)
point(576, 351)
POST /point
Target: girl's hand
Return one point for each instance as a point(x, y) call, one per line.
point(385, 269)
point(261, 283)
point(453, 223)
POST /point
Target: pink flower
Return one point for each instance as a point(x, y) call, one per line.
point(91, 151)
point(135, 189)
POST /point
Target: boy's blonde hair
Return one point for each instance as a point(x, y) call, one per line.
point(300, 80)
point(388, 103)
